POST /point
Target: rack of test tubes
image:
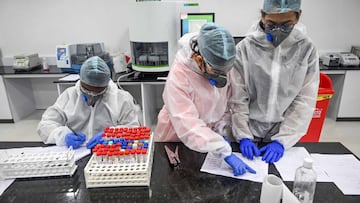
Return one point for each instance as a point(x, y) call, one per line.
point(124, 158)
point(27, 165)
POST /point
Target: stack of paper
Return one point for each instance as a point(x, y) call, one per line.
point(217, 166)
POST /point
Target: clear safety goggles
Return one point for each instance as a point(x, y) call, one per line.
point(286, 27)
point(92, 93)
point(213, 71)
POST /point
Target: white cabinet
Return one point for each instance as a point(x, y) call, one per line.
point(27, 92)
point(5, 113)
point(350, 98)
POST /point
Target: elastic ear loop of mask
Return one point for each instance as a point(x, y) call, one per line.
point(194, 46)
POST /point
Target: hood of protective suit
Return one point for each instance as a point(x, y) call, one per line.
point(183, 56)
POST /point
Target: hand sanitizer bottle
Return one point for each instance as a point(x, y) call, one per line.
point(305, 182)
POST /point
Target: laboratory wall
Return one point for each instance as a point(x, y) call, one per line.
point(39, 25)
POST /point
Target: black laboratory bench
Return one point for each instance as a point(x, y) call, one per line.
point(323, 67)
point(185, 184)
point(9, 70)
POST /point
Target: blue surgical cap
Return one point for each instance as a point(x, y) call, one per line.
point(217, 46)
point(281, 6)
point(95, 72)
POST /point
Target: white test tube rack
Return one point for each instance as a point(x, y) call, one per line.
point(119, 174)
point(44, 164)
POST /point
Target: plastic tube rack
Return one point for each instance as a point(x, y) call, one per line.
point(27, 165)
point(113, 174)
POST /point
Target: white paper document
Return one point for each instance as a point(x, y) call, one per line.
point(5, 184)
point(293, 158)
point(71, 77)
point(343, 169)
point(217, 166)
point(79, 152)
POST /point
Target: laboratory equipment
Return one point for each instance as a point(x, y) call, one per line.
point(26, 61)
point(330, 60)
point(153, 38)
point(237, 39)
point(192, 22)
point(305, 182)
point(173, 156)
point(123, 159)
point(356, 51)
point(41, 164)
point(348, 59)
point(70, 57)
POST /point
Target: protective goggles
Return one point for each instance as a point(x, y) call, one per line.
point(286, 27)
point(91, 93)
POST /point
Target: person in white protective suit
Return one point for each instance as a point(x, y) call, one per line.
point(95, 102)
point(195, 97)
point(274, 82)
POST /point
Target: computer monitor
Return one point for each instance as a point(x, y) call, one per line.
point(192, 22)
point(237, 39)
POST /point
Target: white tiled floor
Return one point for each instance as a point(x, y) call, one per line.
point(345, 132)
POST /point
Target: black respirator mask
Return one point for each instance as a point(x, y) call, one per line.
point(216, 79)
point(277, 33)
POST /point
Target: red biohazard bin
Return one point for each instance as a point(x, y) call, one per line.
point(324, 95)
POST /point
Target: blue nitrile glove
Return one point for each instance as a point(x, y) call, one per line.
point(238, 166)
point(273, 152)
point(248, 148)
point(74, 140)
point(96, 139)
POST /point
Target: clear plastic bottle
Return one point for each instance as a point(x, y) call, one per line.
point(45, 64)
point(305, 182)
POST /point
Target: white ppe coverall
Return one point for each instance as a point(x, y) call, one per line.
point(194, 111)
point(274, 90)
point(115, 108)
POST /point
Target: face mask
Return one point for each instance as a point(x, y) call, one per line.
point(277, 33)
point(91, 97)
point(217, 80)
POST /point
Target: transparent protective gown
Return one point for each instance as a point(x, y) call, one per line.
point(274, 90)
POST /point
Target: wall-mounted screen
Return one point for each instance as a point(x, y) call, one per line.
point(237, 39)
point(192, 22)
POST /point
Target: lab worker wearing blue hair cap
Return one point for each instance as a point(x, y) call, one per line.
point(274, 82)
point(196, 93)
point(95, 102)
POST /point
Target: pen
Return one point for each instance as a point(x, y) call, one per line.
point(72, 130)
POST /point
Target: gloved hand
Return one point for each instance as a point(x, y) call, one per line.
point(74, 140)
point(238, 166)
point(248, 148)
point(273, 152)
point(96, 139)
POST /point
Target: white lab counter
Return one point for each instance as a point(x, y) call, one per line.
point(25, 91)
point(344, 103)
